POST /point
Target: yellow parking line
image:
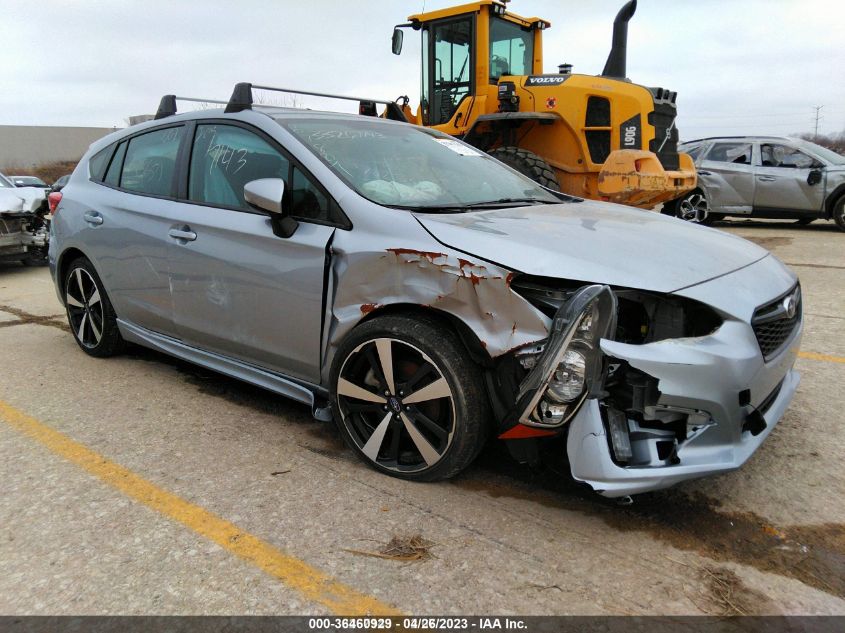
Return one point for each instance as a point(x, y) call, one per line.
point(824, 357)
point(296, 574)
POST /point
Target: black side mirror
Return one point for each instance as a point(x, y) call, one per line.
point(814, 177)
point(396, 43)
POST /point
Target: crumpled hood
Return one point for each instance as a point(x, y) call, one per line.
point(9, 202)
point(595, 242)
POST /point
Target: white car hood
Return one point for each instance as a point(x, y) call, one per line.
point(10, 202)
point(595, 242)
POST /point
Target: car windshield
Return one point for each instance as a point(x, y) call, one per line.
point(823, 153)
point(407, 167)
point(5, 182)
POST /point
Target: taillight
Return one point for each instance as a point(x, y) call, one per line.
point(53, 200)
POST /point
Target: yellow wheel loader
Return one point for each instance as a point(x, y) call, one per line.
point(599, 137)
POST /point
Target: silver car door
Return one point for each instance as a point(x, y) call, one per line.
point(126, 219)
point(783, 180)
point(238, 289)
point(727, 176)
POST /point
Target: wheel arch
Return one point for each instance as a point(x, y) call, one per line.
point(832, 199)
point(474, 346)
point(64, 260)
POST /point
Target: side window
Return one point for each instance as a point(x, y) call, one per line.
point(97, 163)
point(511, 49)
point(225, 158)
point(113, 174)
point(738, 153)
point(694, 151)
point(783, 156)
point(151, 162)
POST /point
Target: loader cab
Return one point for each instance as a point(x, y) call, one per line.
point(465, 50)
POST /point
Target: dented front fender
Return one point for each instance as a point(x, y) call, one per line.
point(429, 275)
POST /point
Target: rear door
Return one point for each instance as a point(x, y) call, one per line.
point(238, 289)
point(126, 218)
point(783, 180)
point(727, 175)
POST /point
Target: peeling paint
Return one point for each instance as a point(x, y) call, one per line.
point(476, 292)
point(429, 255)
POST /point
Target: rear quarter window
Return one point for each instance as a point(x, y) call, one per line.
point(97, 163)
point(150, 162)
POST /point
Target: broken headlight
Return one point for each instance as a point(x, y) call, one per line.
point(570, 367)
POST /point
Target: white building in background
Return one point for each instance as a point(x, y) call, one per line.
point(33, 145)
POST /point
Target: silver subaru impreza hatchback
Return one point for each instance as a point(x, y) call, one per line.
point(425, 296)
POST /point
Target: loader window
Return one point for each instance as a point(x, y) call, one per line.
point(453, 68)
point(511, 49)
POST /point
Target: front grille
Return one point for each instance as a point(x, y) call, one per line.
point(773, 325)
point(663, 119)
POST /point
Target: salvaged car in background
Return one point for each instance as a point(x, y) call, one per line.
point(60, 183)
point(24, 230)
point(426, 296)
point(29, 181)
point(763, 177)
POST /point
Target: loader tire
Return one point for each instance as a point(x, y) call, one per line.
point(528, 164)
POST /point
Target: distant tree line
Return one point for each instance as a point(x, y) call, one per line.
point(835, 142)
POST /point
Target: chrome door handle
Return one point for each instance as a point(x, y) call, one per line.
point(92, 217)
point(179, 234)
point(766, 178)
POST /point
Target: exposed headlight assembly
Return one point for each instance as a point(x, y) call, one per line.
point(570, 368)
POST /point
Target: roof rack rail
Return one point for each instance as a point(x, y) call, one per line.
point(167, 105)
point(242, 100)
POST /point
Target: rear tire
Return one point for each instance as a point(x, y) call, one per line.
point(528, 164)
point(90, 314)
point(429, 419)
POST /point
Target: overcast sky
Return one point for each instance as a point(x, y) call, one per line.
point(739, 66)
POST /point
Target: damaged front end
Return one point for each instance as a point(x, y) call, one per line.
point(23, 236)
point(649, 389)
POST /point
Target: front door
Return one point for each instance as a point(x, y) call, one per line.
point(783, 180)
point(238, 289)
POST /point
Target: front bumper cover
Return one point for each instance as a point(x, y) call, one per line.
point(705, 374)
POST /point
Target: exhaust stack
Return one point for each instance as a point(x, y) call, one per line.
point(617, 59)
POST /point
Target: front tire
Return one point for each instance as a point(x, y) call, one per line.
point(407, 398)
point(693, 207)
point(90, 314)
point(528, 164)
point(839, 212)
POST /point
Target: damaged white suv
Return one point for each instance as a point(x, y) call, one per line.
point(426, 296)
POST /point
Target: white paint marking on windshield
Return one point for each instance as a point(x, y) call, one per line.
point(458, 148)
